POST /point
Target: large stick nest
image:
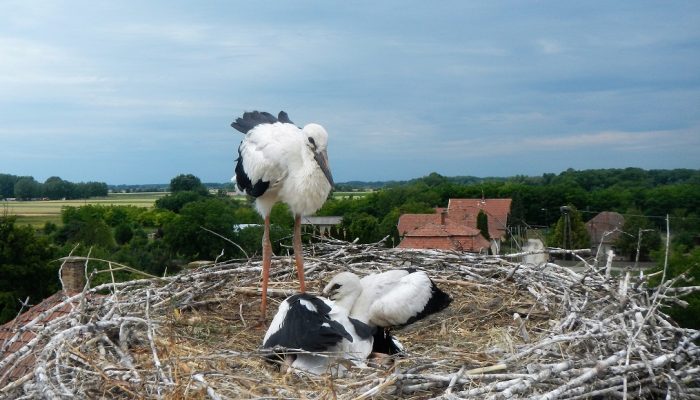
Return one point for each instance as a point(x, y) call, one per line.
point(513, 331)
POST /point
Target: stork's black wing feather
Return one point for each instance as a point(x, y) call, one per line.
point(307, 329)
point(243, 180)
point(251, 119)
point(437, 302)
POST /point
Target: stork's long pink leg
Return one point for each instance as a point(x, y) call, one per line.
point(296, 243)
point(267, 260)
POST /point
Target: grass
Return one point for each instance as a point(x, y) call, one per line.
point(37, 213)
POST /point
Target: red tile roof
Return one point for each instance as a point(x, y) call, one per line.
point(409, 222)
point(9, 329)
point(458, 229)
point(497, 210)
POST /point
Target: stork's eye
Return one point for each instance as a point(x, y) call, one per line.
point(335, 286)
point(312, 141)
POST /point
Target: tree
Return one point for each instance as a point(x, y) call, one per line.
point(56, 188)
point(187, 183)
point(570, 231)
point(25, 267)
point(185, 236)
point(123, 234)
point(174, 202)
point(7, 185)
point(637, 231)
point(86, 225)
point(682, 260)
point(482, 224)
point(27, 188)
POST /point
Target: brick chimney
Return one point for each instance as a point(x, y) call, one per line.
point(443, 214)
point(73, 274)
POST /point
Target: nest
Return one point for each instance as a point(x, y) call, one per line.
point(513, 330)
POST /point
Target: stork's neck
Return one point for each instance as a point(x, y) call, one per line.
point(348, 300)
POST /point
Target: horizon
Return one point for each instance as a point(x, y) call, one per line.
point(375, 181)
point(142, 92)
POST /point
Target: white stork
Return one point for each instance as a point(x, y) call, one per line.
point(392, 298)
point(305, 323)
point(351, 323)
point(278, 161)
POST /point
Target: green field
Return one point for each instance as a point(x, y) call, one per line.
point(38, 212)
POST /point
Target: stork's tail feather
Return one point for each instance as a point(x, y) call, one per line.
point(251, 119)
point(438, 301)
point(284, 118)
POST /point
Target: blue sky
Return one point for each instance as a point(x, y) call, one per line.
point(141, 91)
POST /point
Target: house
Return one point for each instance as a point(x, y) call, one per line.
point(604, 229)
point(13, 336)
point(454, 227)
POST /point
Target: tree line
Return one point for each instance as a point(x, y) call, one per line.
point(178, 229)
point(54, 188)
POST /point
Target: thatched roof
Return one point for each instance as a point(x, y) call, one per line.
point(574, 335)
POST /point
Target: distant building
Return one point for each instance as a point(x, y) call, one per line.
point(454, 227)
point(323, 224)
point(604, 229)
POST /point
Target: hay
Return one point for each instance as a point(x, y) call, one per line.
point(192, 336)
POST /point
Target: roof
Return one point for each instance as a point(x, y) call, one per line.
point(459, 223)
point(9, 329)
point(467, 210)
point(329, 220)
point(409, 222)
point(605, 227)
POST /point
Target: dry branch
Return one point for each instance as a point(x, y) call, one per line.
point(192, 335)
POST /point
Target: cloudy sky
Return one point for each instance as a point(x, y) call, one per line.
point(140, 91)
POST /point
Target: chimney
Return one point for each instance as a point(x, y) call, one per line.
point(72, 274)
point(443, 214)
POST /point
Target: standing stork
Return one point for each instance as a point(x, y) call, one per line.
point(280, 162)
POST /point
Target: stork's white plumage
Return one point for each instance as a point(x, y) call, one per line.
point(280, 162)
point(351, 323)
point(316, 324)
point(391, 298)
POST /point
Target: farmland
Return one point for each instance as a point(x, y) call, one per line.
point(38, 212)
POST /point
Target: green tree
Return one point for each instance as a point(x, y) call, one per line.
point(184, 234)
point(7, 185)
point(27, 188)
point(123, 233)
point(570, 231)
point(56, 188)
point(86, 225)
point(25, 267)
point(187, 183)
point(682, 260)
point(482, 224)
point(174, 202)
point(362, 226)
point(637, 230)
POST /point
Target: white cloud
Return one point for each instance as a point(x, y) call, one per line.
point(29, 64)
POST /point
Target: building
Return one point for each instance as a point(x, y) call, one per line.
point(604, 229)
point(322, 224)
point(454, 227)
